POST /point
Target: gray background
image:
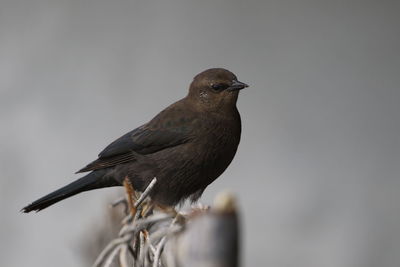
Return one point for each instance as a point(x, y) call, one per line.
point(317, 171)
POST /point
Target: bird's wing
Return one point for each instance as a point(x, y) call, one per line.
point(144, 140)
point(157, 135)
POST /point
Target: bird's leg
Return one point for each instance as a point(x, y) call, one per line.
point(147, 209)
point(130, 195)
point(135, 214)
point(135, 202)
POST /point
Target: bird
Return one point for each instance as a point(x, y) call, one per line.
point(186, 147)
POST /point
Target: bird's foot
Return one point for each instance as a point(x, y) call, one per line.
point(198, 208)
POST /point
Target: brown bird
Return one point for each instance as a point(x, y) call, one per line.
point(186, 146)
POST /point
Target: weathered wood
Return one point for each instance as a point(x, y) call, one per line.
point(202, 238)
point(211, 238)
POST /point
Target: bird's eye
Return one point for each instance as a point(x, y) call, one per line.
point(219, 87)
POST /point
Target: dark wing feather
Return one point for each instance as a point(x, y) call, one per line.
point(101, 163)
point(146, 139)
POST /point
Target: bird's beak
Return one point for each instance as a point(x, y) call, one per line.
point(236, 85)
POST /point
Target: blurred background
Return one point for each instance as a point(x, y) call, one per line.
point(317, 170)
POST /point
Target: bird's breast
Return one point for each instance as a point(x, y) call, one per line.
point(190, 167)
point(216, 149)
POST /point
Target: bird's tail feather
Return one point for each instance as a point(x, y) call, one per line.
point(90, 181)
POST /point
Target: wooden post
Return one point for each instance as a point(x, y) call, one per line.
point(211, 238)
point(204, 238)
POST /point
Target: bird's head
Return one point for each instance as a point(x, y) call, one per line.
point(215, 89)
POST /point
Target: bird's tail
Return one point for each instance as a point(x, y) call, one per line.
point(93, 180)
